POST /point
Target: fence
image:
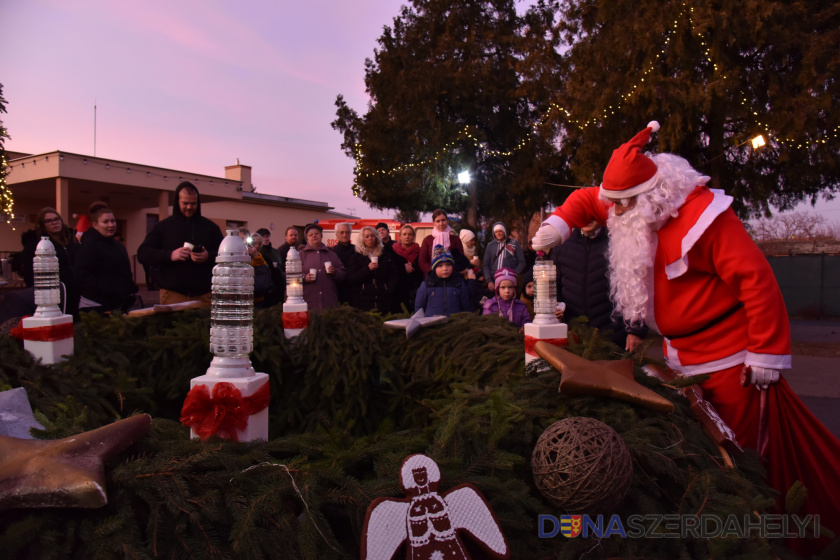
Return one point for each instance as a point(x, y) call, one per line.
point(810, 284)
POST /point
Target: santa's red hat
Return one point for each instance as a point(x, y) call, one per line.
point(630, 172)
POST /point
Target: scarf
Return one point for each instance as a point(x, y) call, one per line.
point(409, 253)
point(258, 260)
point(505, 308)
point(465, 236)
point(442, 237)
point(504, 247)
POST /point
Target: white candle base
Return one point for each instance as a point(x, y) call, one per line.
point(49, 352)
point(257, 423)
point(557, 334)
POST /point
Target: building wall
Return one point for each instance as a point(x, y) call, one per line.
point(253, 215)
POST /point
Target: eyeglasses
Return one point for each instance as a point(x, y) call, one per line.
point(52, 221)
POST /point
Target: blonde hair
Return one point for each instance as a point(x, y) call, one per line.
point(362, 249)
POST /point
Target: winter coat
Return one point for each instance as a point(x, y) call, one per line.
point(345, 253)
point(443, 296)
point(323, 292)
point(372, 289)
point(583, 284)
point(272, 258)
point(520, 311)
point(409, 282)
point(507, 255)
point(263, 283)
point(185, 277)
point(582, 277)
point(103, 271)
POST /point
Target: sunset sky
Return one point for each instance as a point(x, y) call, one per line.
point(194, 85)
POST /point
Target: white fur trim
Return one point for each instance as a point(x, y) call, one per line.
point(560, 225)
point(772, 361)
point(708, 367)
point(719, 204)
point(653, 126)
point(628, 193)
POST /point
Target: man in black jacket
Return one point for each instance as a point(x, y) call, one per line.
point(181, 250)
point(582, 283)
point(345, 251)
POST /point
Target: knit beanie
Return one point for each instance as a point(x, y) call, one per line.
point(502, 274)
point(441, 255)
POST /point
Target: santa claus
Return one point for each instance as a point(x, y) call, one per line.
point(682, 262)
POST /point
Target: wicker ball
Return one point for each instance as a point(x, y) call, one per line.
point(581, 465)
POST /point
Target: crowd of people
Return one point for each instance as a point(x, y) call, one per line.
point(651, 245)
point(444, 274)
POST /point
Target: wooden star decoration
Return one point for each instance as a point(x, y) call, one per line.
point(606, 378)
point(415, 322)
point(67, 472)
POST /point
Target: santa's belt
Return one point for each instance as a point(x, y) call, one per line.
point(710, 324)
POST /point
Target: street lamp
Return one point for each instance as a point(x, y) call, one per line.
point(464, 177)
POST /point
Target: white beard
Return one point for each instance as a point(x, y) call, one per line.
point(631, 255)
point(632, 235)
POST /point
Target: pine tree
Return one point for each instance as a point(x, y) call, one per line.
point(350, 400)
point(714, 75)
point(445, 98)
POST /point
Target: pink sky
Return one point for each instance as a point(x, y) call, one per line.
point(193, 85)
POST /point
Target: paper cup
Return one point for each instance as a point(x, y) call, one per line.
point(189, 245)
point(313, 272)
point(374, 260)
point(327, 265)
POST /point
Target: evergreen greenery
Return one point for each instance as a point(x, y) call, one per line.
point(350, 400)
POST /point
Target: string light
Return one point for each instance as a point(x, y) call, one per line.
point(7, 203)
point(685, 14)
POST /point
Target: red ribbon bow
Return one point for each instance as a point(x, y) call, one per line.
point(224, 413)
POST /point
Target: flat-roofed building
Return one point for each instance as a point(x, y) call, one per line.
point(141, 195)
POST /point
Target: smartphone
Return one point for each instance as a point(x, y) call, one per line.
point(198, 248)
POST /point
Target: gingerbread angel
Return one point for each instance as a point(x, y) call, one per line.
point(431, 522)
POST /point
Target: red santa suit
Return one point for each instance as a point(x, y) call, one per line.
point(715, 300)
point(714, 296)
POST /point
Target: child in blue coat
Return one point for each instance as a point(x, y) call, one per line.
point(443, 292)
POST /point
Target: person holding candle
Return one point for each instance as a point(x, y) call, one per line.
point(372, 274)
point(407, 257)
point(181, 250)
point(323, 270)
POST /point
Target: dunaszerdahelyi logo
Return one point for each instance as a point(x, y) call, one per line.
point(570, 525)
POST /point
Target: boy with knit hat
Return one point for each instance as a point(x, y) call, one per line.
point(442, 292)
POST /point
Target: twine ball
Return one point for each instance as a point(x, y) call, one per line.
point(581, 465)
